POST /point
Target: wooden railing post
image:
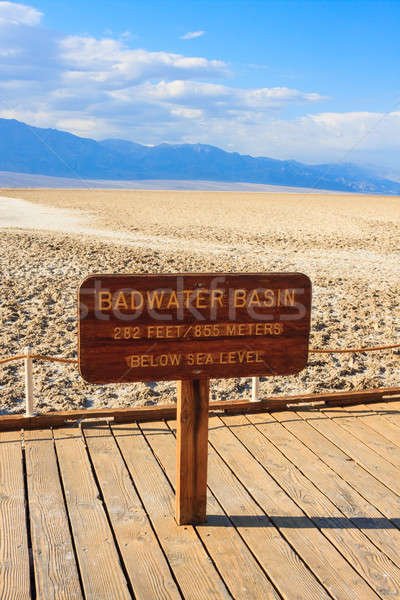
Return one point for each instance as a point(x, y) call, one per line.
point(28, 383)
point(255, 389)
point(192, 451)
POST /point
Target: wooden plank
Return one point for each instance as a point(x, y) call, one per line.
point(234, 561)
point(387, 502)
point(56, 574)
point(317, 552)
point(155, 413)
point(389, 411)
point(99, 563)
point(195, 573)
point(192, 451)
point(359, 511)
point(380, 468)
point(144, 327)
point(143, 558)
point(371, 417)
point(14, 553)
point(372, 565)
point(371, 438)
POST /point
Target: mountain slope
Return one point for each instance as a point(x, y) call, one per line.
point(33, 150)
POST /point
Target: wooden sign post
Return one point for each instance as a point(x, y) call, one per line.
point(190, 328)
point(192, 451)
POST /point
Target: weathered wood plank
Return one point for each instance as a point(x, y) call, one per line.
point(98, 559)
point(372, 565)
point(56, 574)
point(317, 552)
point(388, 408)
point(14, 554)
point(380, 468)
point(361, 430)
point(387, 502)
point(143, 558)
point(155, 413)
point(362, 513)
point(236, 564)
point(192, 451)
point(372, 417)
point(196, 575)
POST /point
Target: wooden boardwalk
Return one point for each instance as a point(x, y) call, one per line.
point(302, 504)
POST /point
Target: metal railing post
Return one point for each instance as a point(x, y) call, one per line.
point(28, 383)
point(255, 389)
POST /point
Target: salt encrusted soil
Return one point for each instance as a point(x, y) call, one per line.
point(349, 246)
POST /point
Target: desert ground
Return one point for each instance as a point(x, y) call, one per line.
point(349, 245)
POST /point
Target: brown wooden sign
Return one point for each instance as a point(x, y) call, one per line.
point(192, 326)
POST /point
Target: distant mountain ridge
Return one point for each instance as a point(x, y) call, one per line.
point(33, 150)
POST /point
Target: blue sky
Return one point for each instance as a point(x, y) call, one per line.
point(313, 81)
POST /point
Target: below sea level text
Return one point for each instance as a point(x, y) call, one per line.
point(194, 359)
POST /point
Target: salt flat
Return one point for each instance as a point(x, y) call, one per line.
point(349, 245)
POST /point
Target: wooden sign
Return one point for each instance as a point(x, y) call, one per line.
point(192, 326)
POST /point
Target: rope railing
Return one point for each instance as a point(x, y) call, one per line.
point(311, 351)
point(28, 356)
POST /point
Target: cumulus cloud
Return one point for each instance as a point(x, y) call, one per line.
point(190, 35)
point(322, 137)
point(106, 88)
point(110, 61)
point(19, 14)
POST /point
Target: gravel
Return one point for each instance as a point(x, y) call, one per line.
point(348, 245)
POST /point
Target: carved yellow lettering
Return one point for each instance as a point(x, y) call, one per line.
point(289, 297)
point(269, 298)
point(230, 329)
point(104, 301)
point(239, 298)
point(254, 299)
point(250, 356)
point(120, 301)
point(187, 294)
point(201, 298)
point(173, 300)
point(175, 359)
point(216, 297)
point(136, 300)
point(258, 357)
point(133, 361)
point(155, 299)
point(163, 359)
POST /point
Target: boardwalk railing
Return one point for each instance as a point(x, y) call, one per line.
point(29, 356)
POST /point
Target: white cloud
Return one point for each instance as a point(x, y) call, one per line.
point(214, 98)
point(315, 138)
point(190, 35)
point(187, 113)
point(105, 88)
point(19, 14)
point(110, 61)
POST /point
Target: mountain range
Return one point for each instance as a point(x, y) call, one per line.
point(34, 150)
